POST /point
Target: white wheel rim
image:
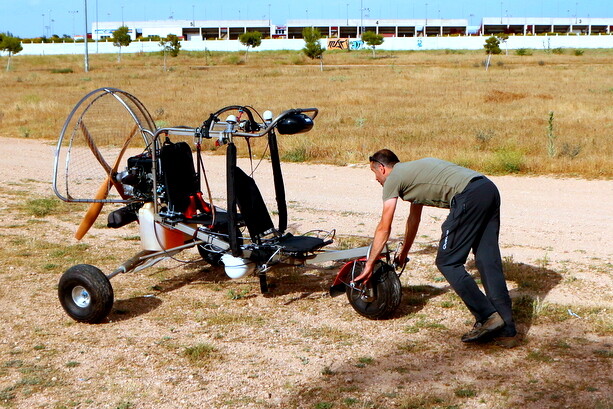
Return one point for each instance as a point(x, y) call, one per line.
point(80, 296)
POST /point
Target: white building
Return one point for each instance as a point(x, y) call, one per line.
point(187, 29)
point(194, 30)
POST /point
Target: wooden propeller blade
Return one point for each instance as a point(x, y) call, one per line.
point(95, 208)
point(93, 147)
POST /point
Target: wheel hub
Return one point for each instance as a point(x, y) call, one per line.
point(81, 296)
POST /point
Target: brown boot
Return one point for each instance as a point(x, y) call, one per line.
point(481, 329)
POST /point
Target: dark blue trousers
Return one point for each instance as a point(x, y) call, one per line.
point(474, 223)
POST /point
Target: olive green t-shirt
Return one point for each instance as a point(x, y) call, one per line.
point(428, 181)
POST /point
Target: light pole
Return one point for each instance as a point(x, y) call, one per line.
point(43, 25)
point(97, 32)
point(73, 12)
point(362, 9)
point(50, 24)
point(86, 62)
point(576, 12)
point(269, 17)
point(347, 11)
point(426, 15)
point(193, 16)
point(361, 19)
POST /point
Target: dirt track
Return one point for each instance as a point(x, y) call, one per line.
point(277, 349)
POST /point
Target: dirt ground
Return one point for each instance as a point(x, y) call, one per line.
point(298, 347)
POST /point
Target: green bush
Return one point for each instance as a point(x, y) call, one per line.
point(298, 154)
point(578, 52)
point(558, 50)
point(506, 160)
point(61, 71)
point(523, 51)
point(234, 59)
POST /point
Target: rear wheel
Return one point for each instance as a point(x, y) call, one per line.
point(386, 292)
point(85, 293)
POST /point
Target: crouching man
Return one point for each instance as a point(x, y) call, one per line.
point(473, 223)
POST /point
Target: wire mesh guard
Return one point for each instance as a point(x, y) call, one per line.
point(105, 128)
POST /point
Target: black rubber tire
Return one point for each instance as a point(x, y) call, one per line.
point(85, 294)
point(387, 290)
point(210, 257)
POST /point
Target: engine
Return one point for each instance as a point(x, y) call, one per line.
point(137, 179)
point(137, 182)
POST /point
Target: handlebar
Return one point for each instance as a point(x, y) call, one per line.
point(233, 127)
point(247, 128)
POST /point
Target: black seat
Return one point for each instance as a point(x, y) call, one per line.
point(259, 224)
point(179, 175)
point(299, 246)
point(252, 207)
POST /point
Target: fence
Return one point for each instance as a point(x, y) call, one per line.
point(391, 44)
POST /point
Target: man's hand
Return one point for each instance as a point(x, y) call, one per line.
point(399, 261)
point(364, 277)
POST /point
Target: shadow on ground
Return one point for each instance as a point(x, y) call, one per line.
point(136, 306)
point(533, 285)
point(422, 371)
point(133, 307)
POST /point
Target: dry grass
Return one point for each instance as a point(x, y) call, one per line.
point(416, 103)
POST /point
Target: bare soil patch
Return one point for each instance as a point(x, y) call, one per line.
point(182, 335)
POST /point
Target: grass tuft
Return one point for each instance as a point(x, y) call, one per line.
point(201, 354)
point(41, 207)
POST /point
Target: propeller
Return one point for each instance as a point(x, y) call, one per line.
point(95, 208)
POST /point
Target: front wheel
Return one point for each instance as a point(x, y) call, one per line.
point(85, 294)
point(386, 292)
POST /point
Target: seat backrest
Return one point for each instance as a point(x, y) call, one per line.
point(251, 205)
point(179, 174)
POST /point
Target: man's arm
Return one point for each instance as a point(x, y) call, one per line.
point(410, 233)
point(382, 234)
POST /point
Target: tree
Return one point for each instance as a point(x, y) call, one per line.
point(250, 39)
point(503, 37)
point(492, 45)
point(11, 45)
point(372, 39)
point(170, 45)
point(121, 38)
point(312, 48)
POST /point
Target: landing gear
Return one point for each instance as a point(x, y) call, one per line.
point(85, 293)
point(382, 298)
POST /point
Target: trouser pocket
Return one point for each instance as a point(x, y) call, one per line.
point(450, 225)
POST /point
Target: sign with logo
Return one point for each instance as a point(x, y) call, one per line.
point(345, 44)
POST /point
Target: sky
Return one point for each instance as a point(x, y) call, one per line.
point(35, 18)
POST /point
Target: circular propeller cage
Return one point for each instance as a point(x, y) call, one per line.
point(104, 128)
